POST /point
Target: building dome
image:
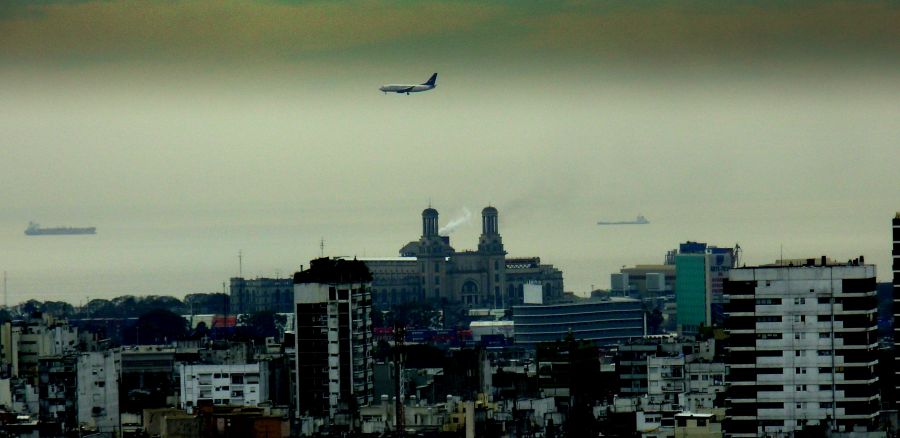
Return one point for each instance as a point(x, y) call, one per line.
point(429, 212)
point(489, 211)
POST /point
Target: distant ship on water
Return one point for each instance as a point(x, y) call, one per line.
point(36, 230)
point(641, 220)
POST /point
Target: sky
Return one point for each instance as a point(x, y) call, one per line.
point(189, 130)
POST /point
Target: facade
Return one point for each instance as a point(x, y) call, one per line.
point(631, 361)
point(258, 294)
point(98, 390)
point(27, 339)
point(56, 394)
point(146, 378)
point(605, 322)
point(232, 384)
point(697, 425)
point(895, 253)
point(333, 338)
point(693, 295)
point(700, 272)
point(803, 348)
point(644, 281)
point(431, 270)
point(685, 382)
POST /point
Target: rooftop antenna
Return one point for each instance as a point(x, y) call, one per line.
point(322, 247)
point(5, 292)
point(240, 263)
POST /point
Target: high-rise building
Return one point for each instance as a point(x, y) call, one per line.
point(98, 390)
point(693, 294)
point(803, 348)
point(57, 394)
point(333, 338)
point(700, 271)
point(896, 267)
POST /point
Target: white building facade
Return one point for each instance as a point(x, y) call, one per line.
point(98, 390)
point(803, 348)
point(231, 384)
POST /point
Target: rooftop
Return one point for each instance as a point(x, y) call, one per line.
point(332, 270)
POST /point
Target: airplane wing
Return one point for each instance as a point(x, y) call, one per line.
point(407, 90)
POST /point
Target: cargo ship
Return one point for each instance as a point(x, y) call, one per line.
point(641, 220)
point(36, 230)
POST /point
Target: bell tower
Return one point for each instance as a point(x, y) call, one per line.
point(490, 247)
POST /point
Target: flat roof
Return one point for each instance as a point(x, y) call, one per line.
point(490, 323)
point(388, 259)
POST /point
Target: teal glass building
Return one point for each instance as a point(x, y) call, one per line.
point(692, 292)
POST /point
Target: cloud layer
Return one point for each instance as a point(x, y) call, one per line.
point(235, 30)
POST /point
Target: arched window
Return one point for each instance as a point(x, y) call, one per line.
point(470, 292)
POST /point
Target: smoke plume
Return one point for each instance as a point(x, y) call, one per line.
point(463, 218)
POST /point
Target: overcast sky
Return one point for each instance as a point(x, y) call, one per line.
point(773, 124)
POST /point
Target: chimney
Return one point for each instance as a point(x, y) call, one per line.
point(862, 260)
point(824, 261)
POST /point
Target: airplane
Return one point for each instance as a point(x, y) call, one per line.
point(410, 88)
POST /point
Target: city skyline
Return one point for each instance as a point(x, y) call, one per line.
point(190, 130)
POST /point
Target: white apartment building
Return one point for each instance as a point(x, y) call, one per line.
point(236, 385)
point(23, 341)
point(98, 390)
point(803, 348)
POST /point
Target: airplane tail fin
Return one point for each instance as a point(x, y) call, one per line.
point(431, 80)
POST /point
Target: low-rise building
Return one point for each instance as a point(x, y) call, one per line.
point(697, 425)
point(222, 384)
point(604, 322)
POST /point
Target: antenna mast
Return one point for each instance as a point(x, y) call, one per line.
point(5, 292)
point(322, 247)
point(240, 263)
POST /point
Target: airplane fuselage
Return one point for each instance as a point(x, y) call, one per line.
point(410, 88)
point(405, 88)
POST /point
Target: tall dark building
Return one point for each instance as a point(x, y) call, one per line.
point(333, 338)
point(57, 394)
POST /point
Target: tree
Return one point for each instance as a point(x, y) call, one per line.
point(262, 324)
point(59, 309)
point(200, 331)
point(30, 307)
point(159, 326)
point(99, 308)
point(654, 322)
point(5, 316)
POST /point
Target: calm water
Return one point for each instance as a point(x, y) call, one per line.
point(187, 257)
